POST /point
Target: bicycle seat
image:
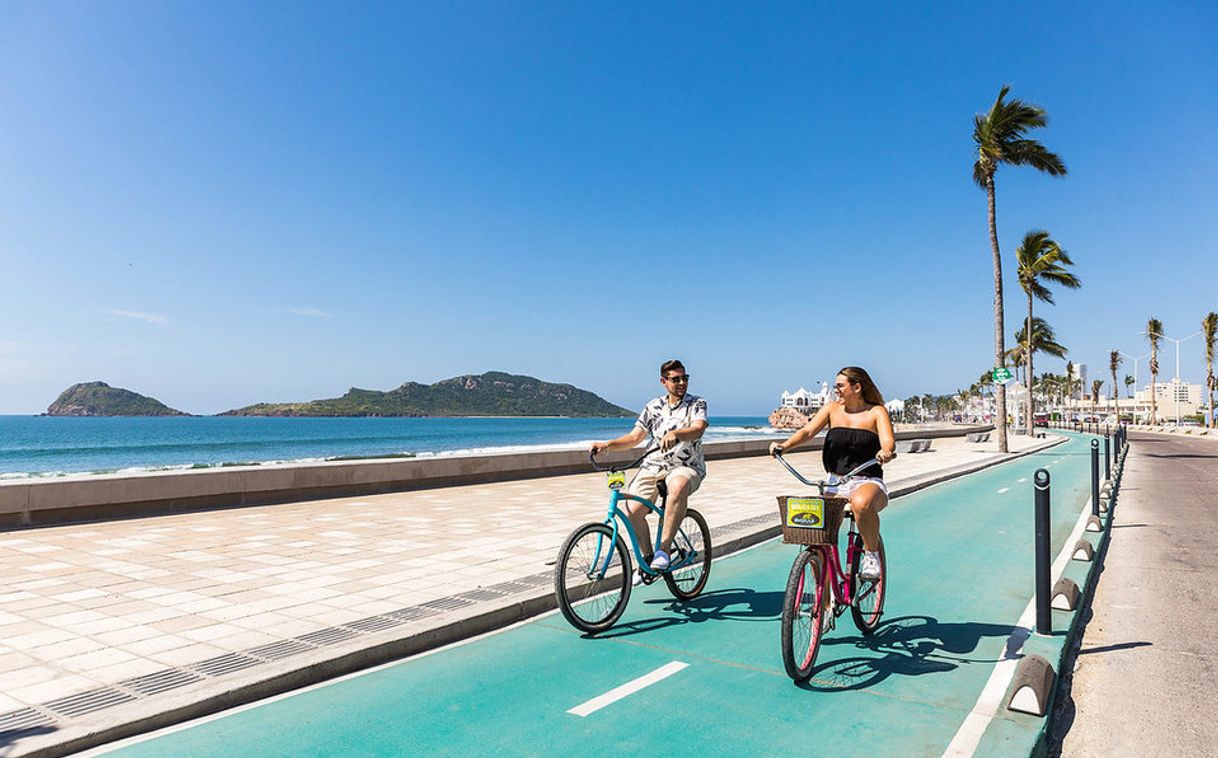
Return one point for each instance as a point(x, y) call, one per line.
point(662, 489)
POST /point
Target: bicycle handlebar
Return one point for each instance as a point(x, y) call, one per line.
point(632, 464)
point(820, 483)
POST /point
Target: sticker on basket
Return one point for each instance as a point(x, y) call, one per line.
point(617, 480)
point(806, 511)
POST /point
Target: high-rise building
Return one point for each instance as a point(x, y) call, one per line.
point(1079, 374)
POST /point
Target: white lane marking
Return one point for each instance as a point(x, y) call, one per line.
point(968, 736)
point(149, 736)
point(1021, 481)
point(627, 689)
point(1004, 489)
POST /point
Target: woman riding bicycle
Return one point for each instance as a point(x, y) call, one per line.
point(859, 430)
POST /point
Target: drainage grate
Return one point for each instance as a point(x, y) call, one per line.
point(486, 593)
point(536, 580)
point(446, 603)
point(276, 650)
point(412, 612)
point(509, 588)
point(323, 637)
point(223, 664)
point(374, 624)
point(88, 701)
point(748, 523)
point(26, 718)
point(159, 681)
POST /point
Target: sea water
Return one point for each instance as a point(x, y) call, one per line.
point(51, 446)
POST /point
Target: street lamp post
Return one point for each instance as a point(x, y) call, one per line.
point(1176, 388)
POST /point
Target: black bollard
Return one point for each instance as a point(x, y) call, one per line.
point(1044, 624)
point(1107, 460)
point(1095, 477)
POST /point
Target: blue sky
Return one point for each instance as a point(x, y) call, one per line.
point(224, 203)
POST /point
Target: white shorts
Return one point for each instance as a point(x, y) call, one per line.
point(847, 489)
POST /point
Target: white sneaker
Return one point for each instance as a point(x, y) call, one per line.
point(638, 578)
point(870, 569)
point(661, 561)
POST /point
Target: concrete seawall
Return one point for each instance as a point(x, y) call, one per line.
point(40, 502)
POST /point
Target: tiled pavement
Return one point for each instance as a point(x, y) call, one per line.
point(114, 622)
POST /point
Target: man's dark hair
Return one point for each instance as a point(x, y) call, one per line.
point(673, 365)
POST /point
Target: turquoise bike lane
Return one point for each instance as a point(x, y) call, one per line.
point(960, 575)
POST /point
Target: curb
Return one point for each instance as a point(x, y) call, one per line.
point(1070, 624)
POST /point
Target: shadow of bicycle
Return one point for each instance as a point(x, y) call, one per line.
point(902, 646)
point(736, 603)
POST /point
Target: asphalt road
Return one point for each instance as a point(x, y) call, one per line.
point(1147, 673)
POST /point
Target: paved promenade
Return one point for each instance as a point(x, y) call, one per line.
point(136, 622)
point(1144, 681)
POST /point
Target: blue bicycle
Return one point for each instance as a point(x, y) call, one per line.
point(592, 578)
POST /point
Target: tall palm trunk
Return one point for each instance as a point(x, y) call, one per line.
point(1028, 370)
point(1154, 373)
point(1209, 383)
point(1000, 392)
point(1116, 405)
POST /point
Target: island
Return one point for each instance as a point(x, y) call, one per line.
point(491, 394)
point(100, 399)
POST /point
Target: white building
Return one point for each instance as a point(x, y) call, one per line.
point(1166, 394)
point(805, 401)
point(1080, 374)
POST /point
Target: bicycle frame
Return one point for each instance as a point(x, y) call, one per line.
point(615, 514)
point(837, 579)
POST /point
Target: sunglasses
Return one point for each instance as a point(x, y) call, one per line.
point(678, 379)
point(840, 386)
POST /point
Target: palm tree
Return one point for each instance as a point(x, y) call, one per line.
point(1129, 381)
point(1114, 362)
point(1000, 136)
point(1068, 382)
point(1095, 395)
point(1044, 340)
point(1039, 261)
point(1209, 325)
point(1154, 328)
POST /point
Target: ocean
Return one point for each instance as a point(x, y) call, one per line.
point(56, 446)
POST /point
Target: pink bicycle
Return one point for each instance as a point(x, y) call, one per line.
point(818, 590)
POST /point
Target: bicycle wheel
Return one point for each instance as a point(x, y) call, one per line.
point(589, 603)
point(693, 539)
point(802, 614)
point(868, 597)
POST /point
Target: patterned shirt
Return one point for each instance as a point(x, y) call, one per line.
point(659, 418)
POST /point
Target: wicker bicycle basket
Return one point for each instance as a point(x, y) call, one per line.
point(799, 524)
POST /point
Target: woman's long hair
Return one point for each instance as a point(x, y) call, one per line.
point(856, 375)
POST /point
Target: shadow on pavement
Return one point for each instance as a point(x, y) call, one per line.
point(1111, 648)
point(906, 646)
point(1179, 455)
point(9, 736)
point(741, 604)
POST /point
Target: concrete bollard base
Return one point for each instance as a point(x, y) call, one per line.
point(1065, 595)
point(1083, 551)
point(1032, 686)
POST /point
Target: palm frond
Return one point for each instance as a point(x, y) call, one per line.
point(1028, 152)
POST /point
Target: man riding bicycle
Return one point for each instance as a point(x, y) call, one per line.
point(676, 421)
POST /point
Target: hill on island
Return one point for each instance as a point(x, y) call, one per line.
point(491, 394)
point(100, 399)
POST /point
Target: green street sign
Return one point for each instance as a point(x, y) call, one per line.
point(1002, 374)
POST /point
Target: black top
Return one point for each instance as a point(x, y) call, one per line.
point(847, 448)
